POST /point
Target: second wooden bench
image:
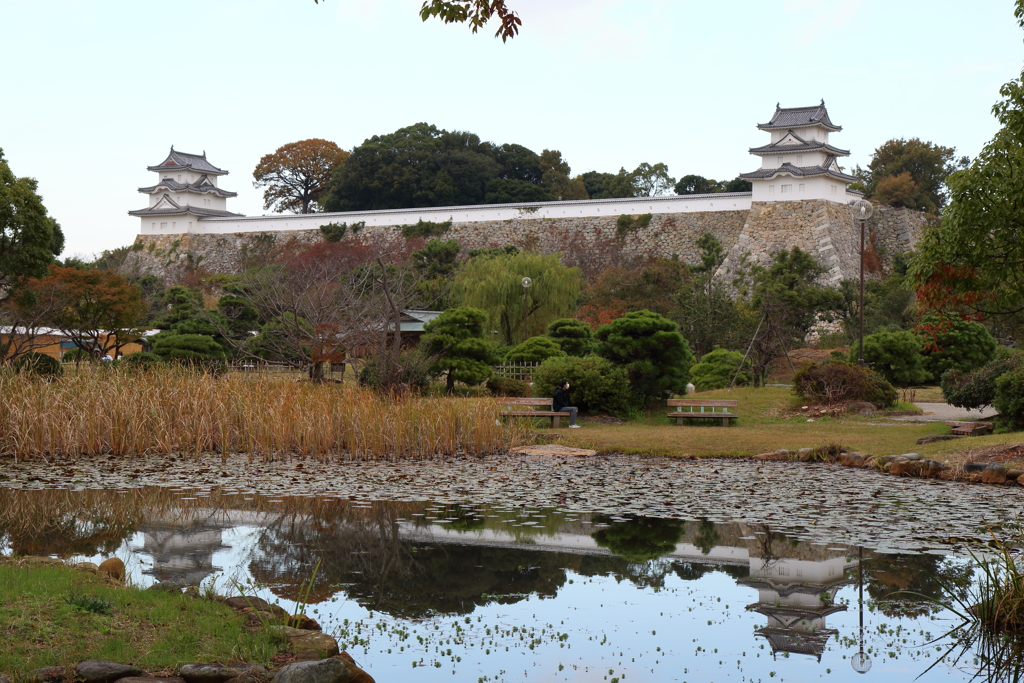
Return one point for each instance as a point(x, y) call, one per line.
point(702, 410)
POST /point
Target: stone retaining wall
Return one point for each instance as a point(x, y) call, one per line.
point(824, 229)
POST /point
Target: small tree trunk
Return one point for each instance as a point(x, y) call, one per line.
point(450, 386)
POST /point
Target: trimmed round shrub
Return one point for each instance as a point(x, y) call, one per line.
point(534, 350)
point(506, 386)
point(896, 356)
point(143, 359)
point(955, 345)
point(596, 385)
point(1009, 398)
point(35, 363)
point(838, 381)
point(656, 357)
point(574, 336)
point(76, 355)
point(187, 347)
point(717, 368)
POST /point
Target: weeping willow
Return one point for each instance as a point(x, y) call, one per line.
point(494, 284)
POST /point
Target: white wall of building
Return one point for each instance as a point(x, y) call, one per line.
point(457, 214)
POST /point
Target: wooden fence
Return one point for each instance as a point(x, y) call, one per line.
point(521, 371)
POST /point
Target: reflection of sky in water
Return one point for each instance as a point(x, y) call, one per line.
point(614, 628)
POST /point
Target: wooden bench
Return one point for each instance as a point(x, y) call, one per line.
point(971, 428)
point(701, 410)
point(531, 412)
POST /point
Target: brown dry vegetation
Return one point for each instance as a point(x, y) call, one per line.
point(127, 413)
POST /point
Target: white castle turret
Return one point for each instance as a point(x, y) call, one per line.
point(799, 163)
point(186, 190)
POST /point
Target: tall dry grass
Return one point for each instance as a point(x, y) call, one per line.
point(174, 410)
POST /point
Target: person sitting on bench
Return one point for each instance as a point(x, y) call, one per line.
point(561, 401)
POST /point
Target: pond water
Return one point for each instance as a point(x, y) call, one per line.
point(425, 592)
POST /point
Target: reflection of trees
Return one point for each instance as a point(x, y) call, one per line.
point(639, 538)
point(66, 523)
point(933, 576)
point(707, 536)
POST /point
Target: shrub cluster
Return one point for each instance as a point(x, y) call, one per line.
point(506, 386)
point(534, 350)
point(596, 384)
point(413, 371)
point(39, 364)
point(717, 368)
point(999, 383)
point(838, 381)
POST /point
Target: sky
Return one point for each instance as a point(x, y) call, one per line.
point(94, 92)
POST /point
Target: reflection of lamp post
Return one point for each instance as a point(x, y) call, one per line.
point(860, 662)
point(862, 211)
point(526, 288)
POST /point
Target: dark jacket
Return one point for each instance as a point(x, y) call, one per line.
point(561, 400)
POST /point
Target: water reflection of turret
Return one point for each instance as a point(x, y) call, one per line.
point(796, 595)
point(182, 553)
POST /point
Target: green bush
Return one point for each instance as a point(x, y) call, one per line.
point(955, 345)
point(506, 386)
point(627, 224)
point(1009, 398)
point(424, 228)
point(188, 348)
point(977, 388)
point(896, 356)
point(76, 355)
point(413, 371)
point(143, 359)
point(838, 381)
point(656, 357)
point(534, 350)
point(717, 368)
point(574, 336)
point(35, 363)
point(596, 385)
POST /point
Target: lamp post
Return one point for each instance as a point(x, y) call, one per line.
point(862, 211)
point(526, 288)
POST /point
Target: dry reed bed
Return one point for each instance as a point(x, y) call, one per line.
point(128, 414)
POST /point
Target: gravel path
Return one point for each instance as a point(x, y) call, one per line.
point(942, 412)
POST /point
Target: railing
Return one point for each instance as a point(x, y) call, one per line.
point(521, 371)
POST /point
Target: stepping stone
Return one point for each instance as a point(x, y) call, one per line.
point(553, 450)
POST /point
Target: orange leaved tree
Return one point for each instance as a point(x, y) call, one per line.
point(295, 175)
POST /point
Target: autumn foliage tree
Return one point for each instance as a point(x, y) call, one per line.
point(94, 309)
point(296, 174)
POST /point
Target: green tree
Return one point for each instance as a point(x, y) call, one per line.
point(455, 340)
point(696, 184)
point(896, 356)
point(789, 300)
point(29, 238)
point(954, 345)
point(609, 185)
point(975, 259)
point(717, 369)
point(555, 177)
point(573, 336)
point(652, 180)
point(910, 173)
point(534, 350)
point(656, 357)
point(494, 284)
point(709, 314)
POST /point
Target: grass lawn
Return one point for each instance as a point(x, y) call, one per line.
point(767, 423)
point(154, 630)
